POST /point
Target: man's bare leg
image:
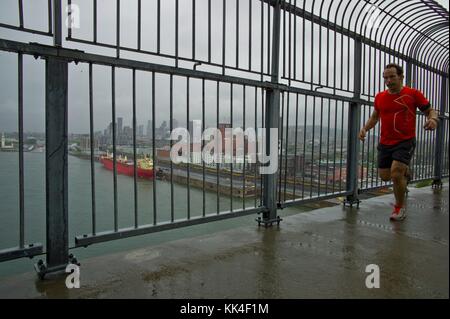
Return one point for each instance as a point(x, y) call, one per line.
point(385, 174)
point(398, 172)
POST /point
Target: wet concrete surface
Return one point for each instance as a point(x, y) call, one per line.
point(318, 254)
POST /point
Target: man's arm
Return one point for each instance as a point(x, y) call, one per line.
point(432, 119)
point(373, 120)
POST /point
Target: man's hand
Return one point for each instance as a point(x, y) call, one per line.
point(431, 124)
point(362, 134)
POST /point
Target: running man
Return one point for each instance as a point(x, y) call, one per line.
point(396, 107)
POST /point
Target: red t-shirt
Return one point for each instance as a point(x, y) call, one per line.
point(398, 114)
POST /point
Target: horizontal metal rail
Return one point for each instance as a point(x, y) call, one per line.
point(77, 56)
point(85, 240)
point(29, 250)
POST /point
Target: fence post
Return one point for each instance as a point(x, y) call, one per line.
point(272, 118)
point(353, 129)
point(56, 161)
point(440, 133)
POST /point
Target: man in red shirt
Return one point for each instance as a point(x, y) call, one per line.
point(396, 107)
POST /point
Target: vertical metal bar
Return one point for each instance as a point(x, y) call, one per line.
point(303, 46)
point(280, 156)
point(353, 128)
point(220, 151)
point(91, 133)
point(56, 162)
point(237, 34)
point(176, 31)
point(287, 143)
point(320, 143)
point(304, 148)
point(203, 145)
point(117, 28)
point(272, 118)
point(139, 24)
point(363, 144)
point(262, 49)
point(189, 151)
point(188, 164)
point(57, 21)
point(50, 16)
point(95, 20)
point(296, 140)
point(295, 57)
point(21, 164)
point(113, 97)
point(313, 144)
point(328, 145)
point(193, 29)
point(245, 153)
point(369, 138)
point(209, 31)
point(290, 47)
point(335, 143)
point(20, 13)
point(250, 35)
point(280, 159)
point(232, 148)
point(223, 35)
point(69, 17)
point(153, 148)
point(284, 40)
point(264, 108)
point(312, 53)
point(257, 139)
point(172, 215)
point(268, 37)
point(136, 222)
point(320, 54)
point(440, 134)
point(342, 146)
point(158, 26)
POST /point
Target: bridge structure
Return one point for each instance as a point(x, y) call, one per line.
point(309, 69)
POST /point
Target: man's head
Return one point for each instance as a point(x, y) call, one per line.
point(393, 77)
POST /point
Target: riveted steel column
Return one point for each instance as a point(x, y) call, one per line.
point(272, 116)
point(56, 162)
point(440, 134)
point(353, 129)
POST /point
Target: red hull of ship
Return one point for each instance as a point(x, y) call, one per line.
point(126, 169)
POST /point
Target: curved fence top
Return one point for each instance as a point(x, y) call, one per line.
point(416, 30)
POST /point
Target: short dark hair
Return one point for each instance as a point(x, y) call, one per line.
point(396, 66)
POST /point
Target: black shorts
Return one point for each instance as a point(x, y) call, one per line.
point(401, 152)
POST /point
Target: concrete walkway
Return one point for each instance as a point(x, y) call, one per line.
point(318, 254)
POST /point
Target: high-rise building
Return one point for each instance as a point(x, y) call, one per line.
point(119, 126)
point(140, 131)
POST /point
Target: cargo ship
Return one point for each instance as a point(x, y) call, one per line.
point(126, 167)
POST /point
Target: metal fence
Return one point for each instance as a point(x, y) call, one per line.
point(310, 69)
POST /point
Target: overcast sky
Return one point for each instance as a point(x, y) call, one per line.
point(35, 17)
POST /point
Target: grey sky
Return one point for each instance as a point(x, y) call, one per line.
point(35, 16)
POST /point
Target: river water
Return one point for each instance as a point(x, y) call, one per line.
point(80, 208)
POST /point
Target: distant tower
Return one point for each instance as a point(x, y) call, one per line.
point(3, 144)
point(119, 126)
